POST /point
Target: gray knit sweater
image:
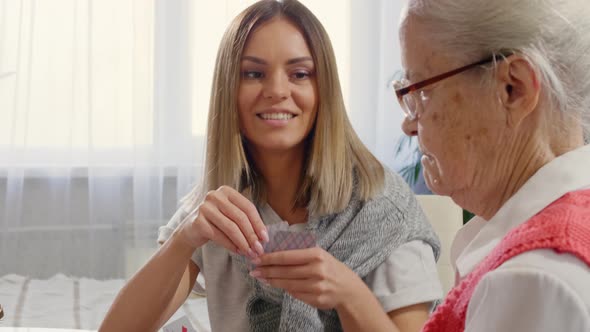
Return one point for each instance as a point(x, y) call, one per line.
point(362, 237)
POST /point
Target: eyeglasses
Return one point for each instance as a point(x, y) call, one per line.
point(408, 100)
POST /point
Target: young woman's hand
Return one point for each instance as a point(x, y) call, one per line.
point(311, 275)
point(229, 219)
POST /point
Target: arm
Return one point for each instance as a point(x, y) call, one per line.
point(411, 318)
point(315, 277)
point(354, 313)
point(156, 291)
point(318, 279)
point(405, 284)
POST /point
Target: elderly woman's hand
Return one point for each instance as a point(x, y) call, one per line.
point(310, 275)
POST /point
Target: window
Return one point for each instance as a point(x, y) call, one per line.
point(79, 76)
point(77, 73)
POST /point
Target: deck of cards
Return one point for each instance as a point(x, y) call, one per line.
point(281, 238)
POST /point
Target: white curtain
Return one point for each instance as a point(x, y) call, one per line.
point(95, 151)
point(102, 116)
point(375, 62)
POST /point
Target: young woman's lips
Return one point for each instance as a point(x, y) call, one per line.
point(276, 119)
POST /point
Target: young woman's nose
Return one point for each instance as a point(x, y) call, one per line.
point(276, 86)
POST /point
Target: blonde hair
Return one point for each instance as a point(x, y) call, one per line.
point(336, 159)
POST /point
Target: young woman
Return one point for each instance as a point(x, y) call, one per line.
point(280, 147)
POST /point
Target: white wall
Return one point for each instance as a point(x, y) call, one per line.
point(375, 60)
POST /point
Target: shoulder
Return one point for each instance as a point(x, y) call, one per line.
point(393, 183)
point(563, 270)
point(537, 291)
point(397, 203)
point(399, 213)
point(395, 194)
point(407, 277)
point(572, 205)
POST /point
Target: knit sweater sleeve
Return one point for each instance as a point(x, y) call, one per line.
point(405, 210)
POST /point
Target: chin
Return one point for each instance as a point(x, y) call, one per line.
point(278, 143)
point(270, 146)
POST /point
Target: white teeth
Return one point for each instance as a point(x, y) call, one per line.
point(277, 116)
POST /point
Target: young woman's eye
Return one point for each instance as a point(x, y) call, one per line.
point(301, 75)
point(252, 74)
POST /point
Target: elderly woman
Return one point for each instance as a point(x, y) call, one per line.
point(498, 94)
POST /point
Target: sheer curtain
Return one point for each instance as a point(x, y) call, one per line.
point(95, 140)
point(102, 116)
point(375, 62)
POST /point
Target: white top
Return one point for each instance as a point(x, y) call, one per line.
point(540, 290)
point(407, 277)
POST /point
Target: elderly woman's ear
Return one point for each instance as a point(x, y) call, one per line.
point(518, 88)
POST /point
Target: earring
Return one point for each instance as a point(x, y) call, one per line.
point(500, 101)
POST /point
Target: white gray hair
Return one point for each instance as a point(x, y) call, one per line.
point(554, 35)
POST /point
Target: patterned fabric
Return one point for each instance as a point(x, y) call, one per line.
point(286, 240)
point(362, 237)
point(281, 238)
point(563, 226)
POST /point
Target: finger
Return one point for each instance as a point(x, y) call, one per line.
point(285, 272)
point(291, 257)
point(226, 226)
point(219, 237)
point(232, 212)
point(313, 299)
point(291, 285)
point(250, 210)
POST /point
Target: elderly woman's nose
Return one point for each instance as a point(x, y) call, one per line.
point(410, 127)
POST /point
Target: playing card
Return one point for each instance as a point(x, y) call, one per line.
point(289, 240)
point(281, 238)
point(180, 325)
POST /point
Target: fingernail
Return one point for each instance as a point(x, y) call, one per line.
point(262, 280)
point(252, 254)
point(258, 248)
point(256, 261)
point(265, 237)
point(255, 274)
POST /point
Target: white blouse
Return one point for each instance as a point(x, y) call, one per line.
point(540, 290)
